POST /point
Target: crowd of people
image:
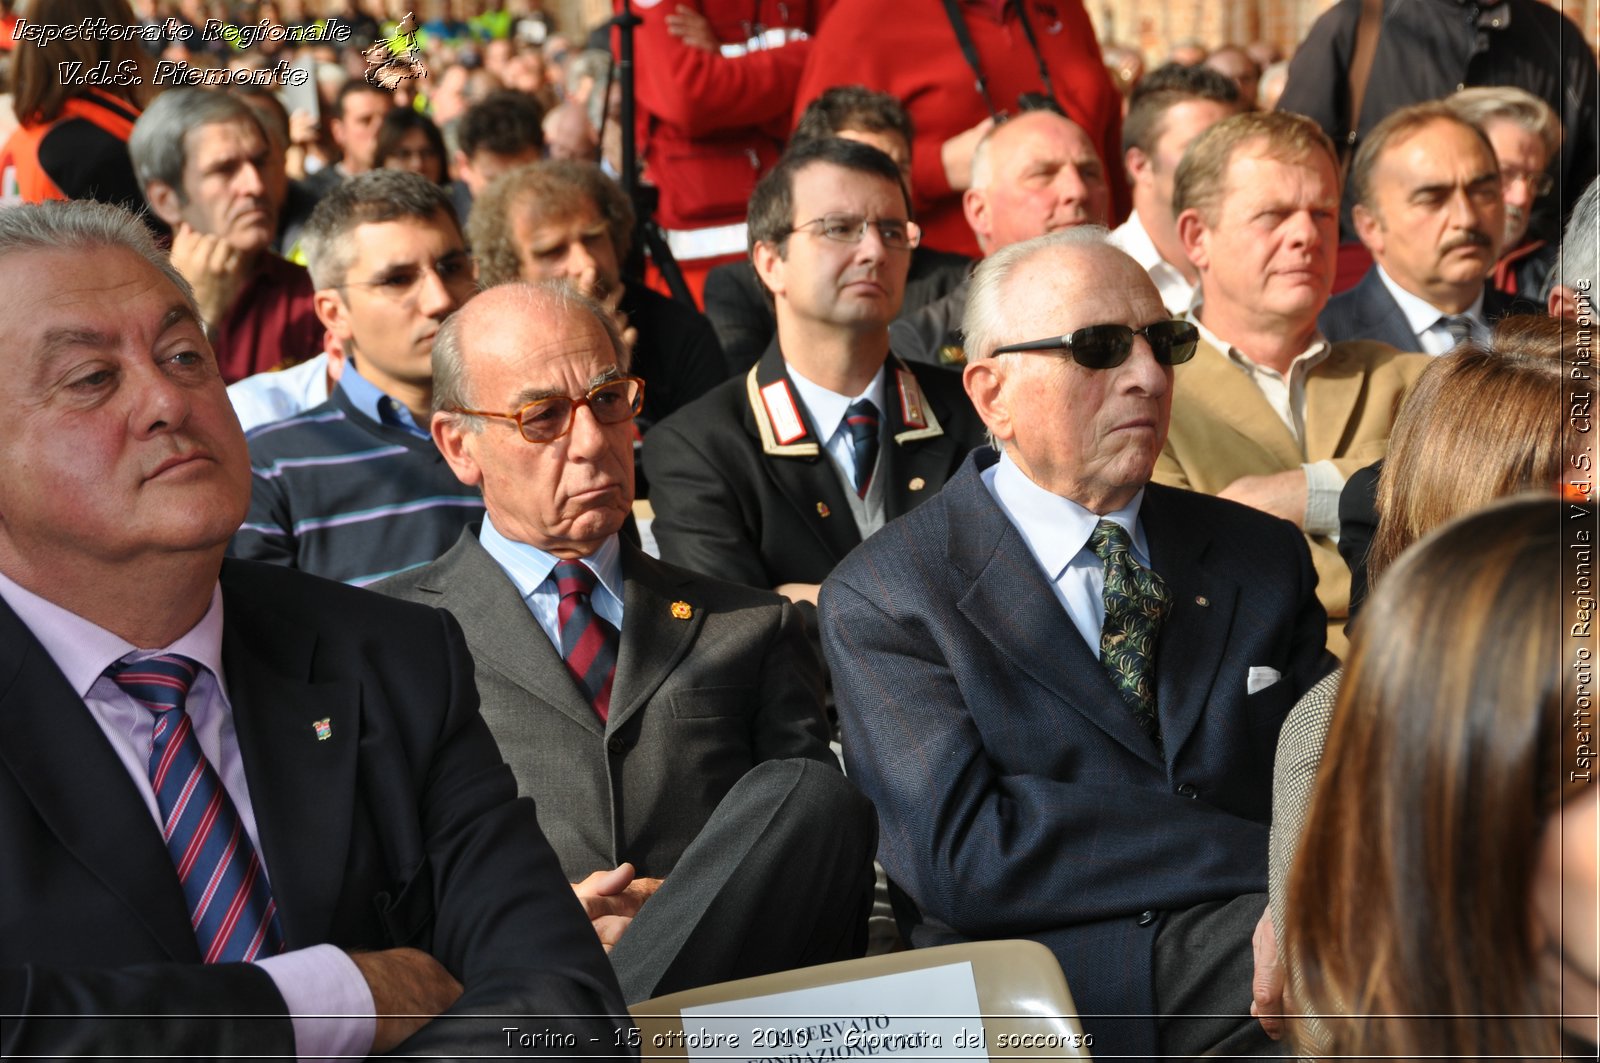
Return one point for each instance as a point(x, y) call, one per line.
point(938, 476)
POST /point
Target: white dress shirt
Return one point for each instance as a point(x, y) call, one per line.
point(1426, 320)
point(828, 409)
point(1177, 294)
point(1057, 532)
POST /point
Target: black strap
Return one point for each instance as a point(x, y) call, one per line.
point(958, 22)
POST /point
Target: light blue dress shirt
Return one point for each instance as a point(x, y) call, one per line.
point(529, 569)
point(1057, 532)
point(365, 396)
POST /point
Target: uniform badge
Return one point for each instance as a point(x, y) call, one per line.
point(324, 729)
point(682, 610)
point(823, 510)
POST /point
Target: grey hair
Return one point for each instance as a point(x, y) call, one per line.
point(450, 391)
point(1489, 103)
point(1578, 261)
point(985, 322)
point(157, 143)
point(367, 199)
point(85, 225)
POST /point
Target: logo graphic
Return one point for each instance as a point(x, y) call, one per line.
point(397, 59)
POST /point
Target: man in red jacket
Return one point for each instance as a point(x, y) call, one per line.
point(712, 121)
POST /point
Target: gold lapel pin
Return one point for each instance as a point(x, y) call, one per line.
point(1201, 600)
point(682, 610)
point(324, 729)
point(822, 509)
point(917, 483)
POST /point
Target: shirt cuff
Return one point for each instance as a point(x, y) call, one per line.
point(1324, 481)
point(328, 1000)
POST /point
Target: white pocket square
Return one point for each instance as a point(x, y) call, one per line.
point(1261, 678)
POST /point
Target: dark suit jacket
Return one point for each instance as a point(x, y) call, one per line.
point(1016, 796)
point(732, 501)
point(741, 310)
point(401, 829)
point(697, 702)
point(1369, 312)
point(677, 352)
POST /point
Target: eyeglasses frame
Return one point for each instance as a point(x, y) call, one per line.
point(1063, 344)
point(572, 417)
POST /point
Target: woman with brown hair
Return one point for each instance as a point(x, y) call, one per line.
point(1410, 924)
point(76, 100)
point(1479, 424)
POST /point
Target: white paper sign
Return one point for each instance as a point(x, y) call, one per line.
point(927, 1014)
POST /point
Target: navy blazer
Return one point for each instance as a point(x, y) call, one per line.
point(1369, 312)
point(1015, 793)
point(401, 827)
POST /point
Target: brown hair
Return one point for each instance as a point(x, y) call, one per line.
point(1408, 921)
point(1479, 424)
point(1202, 176)
point(41, 92)
point(1399, 126)
point(553, 188)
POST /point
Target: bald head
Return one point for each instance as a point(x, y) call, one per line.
point(551, 357)
point(1035, 174)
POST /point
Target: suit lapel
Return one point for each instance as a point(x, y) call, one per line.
point(1386, 321)
point(1011, 602)
point(1193, 635)
point(60, 758)
point(803, 474)
point(917, 450)
point(1211, 382)
point(299, 740)
point(501, 631)
point(1332, 392)
point(657, 630)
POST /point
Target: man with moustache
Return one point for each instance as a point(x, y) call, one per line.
point(1268, 412)
point(244, 813)
point(208, 167)
point(354, 489)
point(1429, 206)
point(1034, 174)
point(772, 477)
point(1061, 684)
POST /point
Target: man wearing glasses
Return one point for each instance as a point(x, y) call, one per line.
point(771, 478)
point(1061, 684)
point(668, 725)
point(1269, 413)
point(354, 489)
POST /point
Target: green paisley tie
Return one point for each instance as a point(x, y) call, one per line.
point(1136, 602)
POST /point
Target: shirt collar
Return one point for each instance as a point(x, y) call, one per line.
point(83, 650)
point(365, 396)
point(529, 567)
point(827, 408)
point(1057, 529)
point(1311, 356)
point(1420, 314)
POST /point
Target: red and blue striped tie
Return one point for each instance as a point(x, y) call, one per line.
point(862, 420)
point(588, 643)
point(230, 904)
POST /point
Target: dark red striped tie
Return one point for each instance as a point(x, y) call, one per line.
point(862, 420)
point(230, 904)
point(588, 643)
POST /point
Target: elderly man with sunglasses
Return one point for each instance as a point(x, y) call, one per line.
point(1269, 412)
point(772, 478)
point(668, 725)
point(354, 489)
point(1061, 684)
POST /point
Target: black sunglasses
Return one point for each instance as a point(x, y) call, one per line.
point(1108, 346)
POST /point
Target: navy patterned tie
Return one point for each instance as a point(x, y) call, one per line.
point(1459, 326)
point(588, 643)
point(230, 904)
point(1136, 602)
point(862, 420)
